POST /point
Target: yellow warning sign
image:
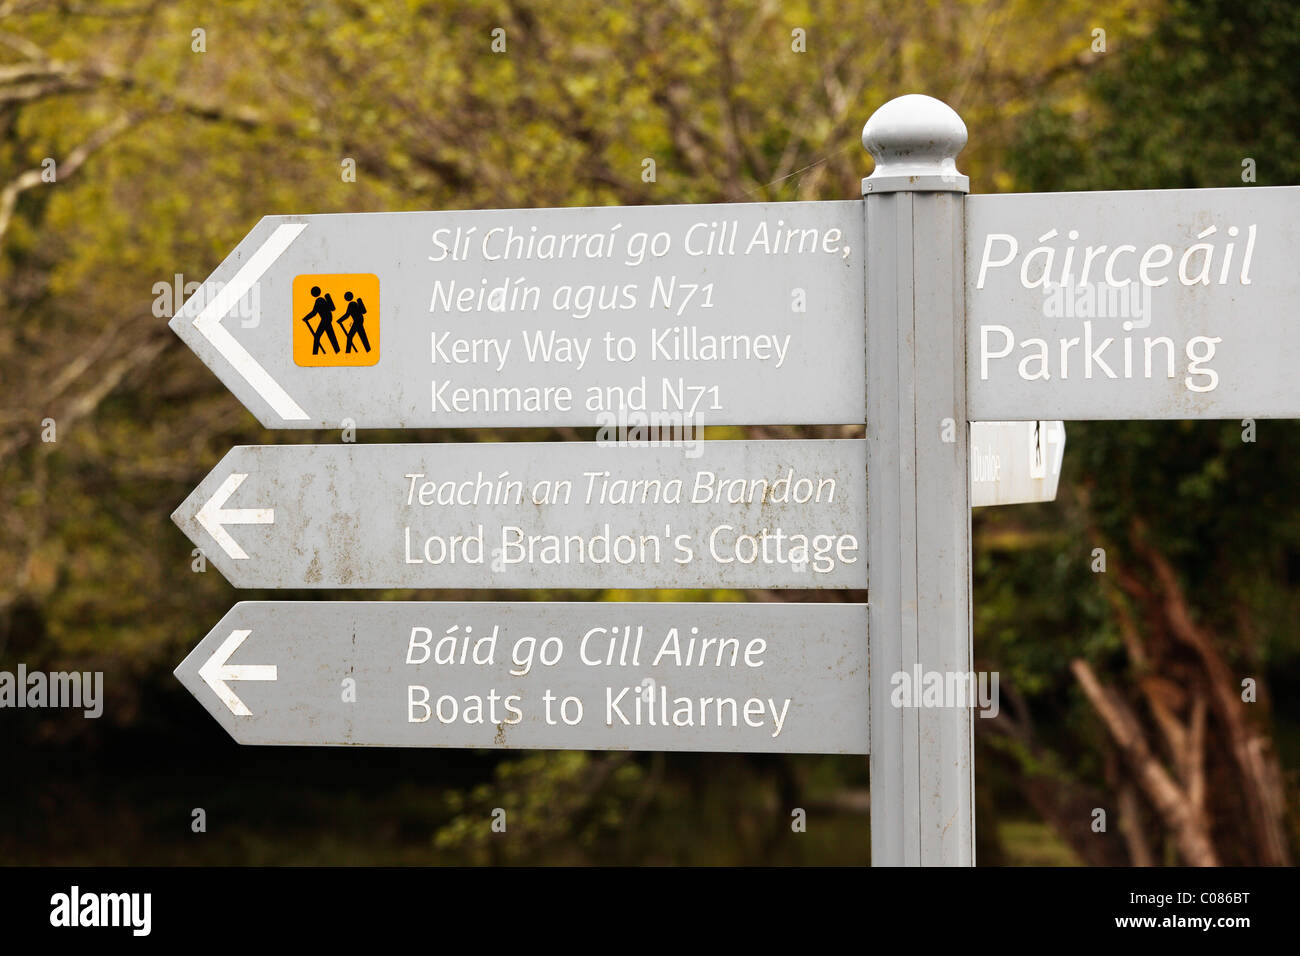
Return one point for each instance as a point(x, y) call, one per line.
point(336, 320)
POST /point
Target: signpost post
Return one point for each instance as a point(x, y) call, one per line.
point(918, 481)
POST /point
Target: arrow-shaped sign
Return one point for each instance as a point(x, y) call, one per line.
point(216, 672)
point(734, 514)
point(745, 313)
point(1170, 303)
point(775, 678)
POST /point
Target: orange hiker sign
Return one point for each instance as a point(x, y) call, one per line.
point(336, 320)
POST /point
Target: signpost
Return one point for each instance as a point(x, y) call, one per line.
point(778, 678)
point(1076, 306)
point(1176, 303)
point(745, 313)
point(724, 514)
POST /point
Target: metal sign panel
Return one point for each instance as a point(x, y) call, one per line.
point(731, 314)
point(1015, 462)
point(761, 678)
point(1148, 304)
point(717, 514)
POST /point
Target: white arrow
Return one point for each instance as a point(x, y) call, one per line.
point(216, 672)
point(213, 517)
point(208, 322)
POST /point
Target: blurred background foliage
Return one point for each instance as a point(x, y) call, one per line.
point(1121, 689)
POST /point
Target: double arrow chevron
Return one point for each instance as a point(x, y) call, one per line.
point(215, 301)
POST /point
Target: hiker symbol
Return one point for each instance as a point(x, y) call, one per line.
point(336, 320)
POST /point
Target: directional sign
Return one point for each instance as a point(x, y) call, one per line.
point(771, 678)
point(744, 313)
point(715, 514)
point(1015, 462)
point(1152, 304)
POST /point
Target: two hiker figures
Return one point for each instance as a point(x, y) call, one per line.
point(324, 308)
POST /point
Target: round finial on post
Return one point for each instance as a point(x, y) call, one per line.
point(915, 140)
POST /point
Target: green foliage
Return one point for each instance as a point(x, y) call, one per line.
point(1213, 85)
point(545, 806)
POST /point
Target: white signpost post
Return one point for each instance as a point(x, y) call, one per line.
point(918, 481)
point(984, 322)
